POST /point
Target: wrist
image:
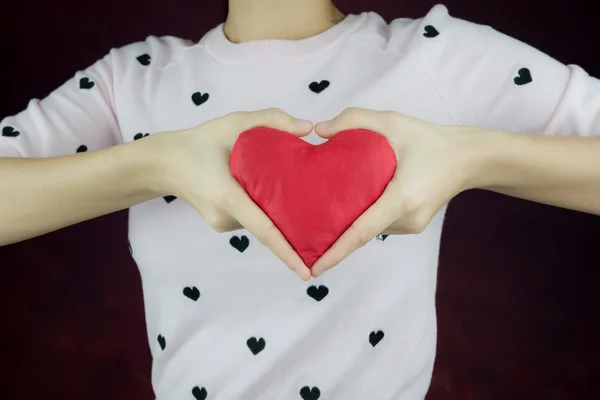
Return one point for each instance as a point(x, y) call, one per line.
point(487, 156)
point(496, 156)
point(146, 159)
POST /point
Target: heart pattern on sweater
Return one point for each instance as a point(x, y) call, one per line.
point(317, 293)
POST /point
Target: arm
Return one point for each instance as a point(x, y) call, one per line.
point(41, 195)
point(559, 171)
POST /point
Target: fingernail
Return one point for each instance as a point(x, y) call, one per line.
point(317, 273)
point(303, 123)
point(323, 126)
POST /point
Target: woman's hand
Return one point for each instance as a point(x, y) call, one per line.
point(195, 165)
point(434, 164)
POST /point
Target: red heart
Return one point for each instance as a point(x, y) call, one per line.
point(312, 193)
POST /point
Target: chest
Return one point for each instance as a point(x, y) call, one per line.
point(198, 89)
point(167, 234)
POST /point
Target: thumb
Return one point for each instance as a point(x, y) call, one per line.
point(275, 118)
point(355, 118)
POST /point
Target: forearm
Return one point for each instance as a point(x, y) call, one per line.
point(559, 171)
point(41, 195)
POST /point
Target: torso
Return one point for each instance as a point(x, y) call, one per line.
point(365, 329)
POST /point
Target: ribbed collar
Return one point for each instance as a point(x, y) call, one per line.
point(259, 51)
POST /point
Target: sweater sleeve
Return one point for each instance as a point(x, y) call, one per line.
point(486, 78)
point(78, 116)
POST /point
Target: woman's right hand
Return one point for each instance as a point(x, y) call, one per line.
point(195, 167)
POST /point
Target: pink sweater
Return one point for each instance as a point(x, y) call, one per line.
point(225, 319)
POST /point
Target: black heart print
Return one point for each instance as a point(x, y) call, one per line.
point(317, 293)
point(82, 149)
point(9, 131)
point(430, 32)
point(140, 135)
point(382, 237)
point(199, 98)
point(199, 393)
point(256, 346)
point(375, 337)
point(192, 293)
point(524, 77)
point(240, 244)
point(162, 342)
point(318, 87)
point(169, 198)
point(144, 59)
point(310, 394)
point(85, 83)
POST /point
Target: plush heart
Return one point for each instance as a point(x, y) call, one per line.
point(312, 193)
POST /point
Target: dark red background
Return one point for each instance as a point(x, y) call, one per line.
point(519, 288)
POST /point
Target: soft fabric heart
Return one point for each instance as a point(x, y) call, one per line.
point(312, 193)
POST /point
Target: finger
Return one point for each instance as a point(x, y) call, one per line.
point(226, 223)
point(250, 216)
point(370, 224)
point(274, 118)
point(353, 118)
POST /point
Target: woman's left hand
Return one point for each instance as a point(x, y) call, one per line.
point(434, 163)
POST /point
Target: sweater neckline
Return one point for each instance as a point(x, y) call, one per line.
point(269, 50)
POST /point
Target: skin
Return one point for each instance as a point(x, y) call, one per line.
point(279, 19)
point(438, 162)
point(38, 196)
